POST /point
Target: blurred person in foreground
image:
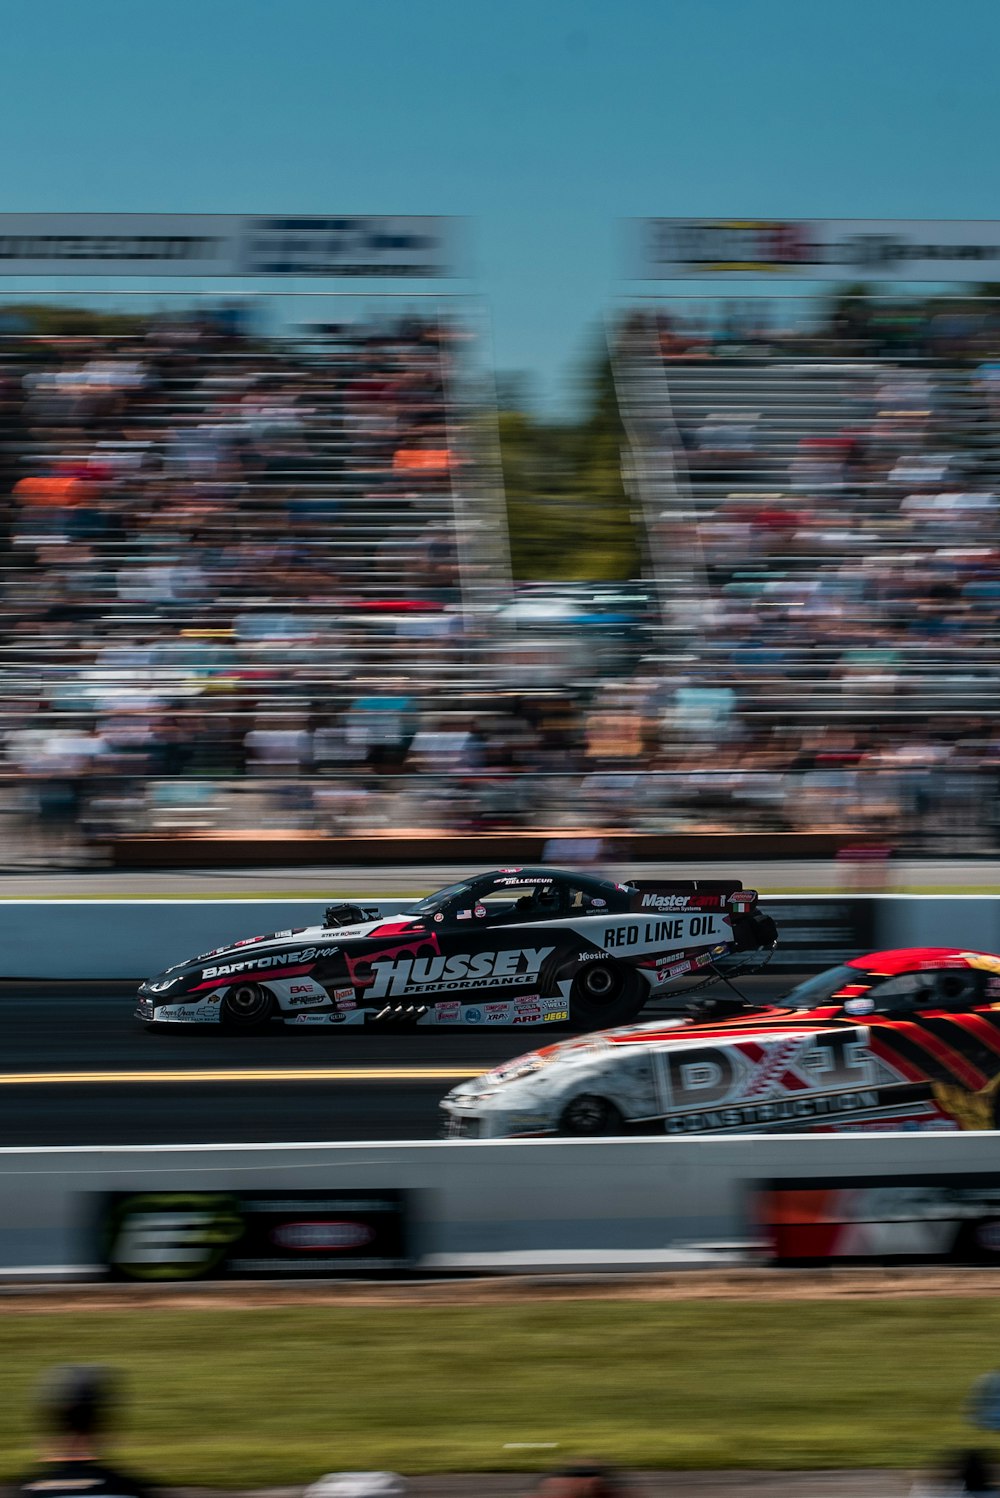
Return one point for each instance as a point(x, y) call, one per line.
point(76, 1406)
point(581, 1480)
point(960, 1473)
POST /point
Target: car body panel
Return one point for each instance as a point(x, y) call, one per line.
point(906, 1039)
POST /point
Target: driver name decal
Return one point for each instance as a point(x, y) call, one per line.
point(462, 971)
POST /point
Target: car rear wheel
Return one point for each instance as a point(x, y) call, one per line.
point(247, 1006)
point(603, 994)
point(587, 1116)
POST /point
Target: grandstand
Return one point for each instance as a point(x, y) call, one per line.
point(255, 580)
point(822, 516)
point(233, 555)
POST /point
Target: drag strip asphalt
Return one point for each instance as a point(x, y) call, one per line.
point(75, 1068)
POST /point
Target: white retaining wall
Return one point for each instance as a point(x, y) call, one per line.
point(520, 1203)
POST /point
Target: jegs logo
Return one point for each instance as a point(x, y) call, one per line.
point(458, 973)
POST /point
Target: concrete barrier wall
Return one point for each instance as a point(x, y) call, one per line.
point(125, 939)
point(503, 1203)
point(78, 939)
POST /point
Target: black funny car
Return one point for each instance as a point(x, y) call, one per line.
point(517, 946)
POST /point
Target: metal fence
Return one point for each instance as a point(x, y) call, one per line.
point(909, 811)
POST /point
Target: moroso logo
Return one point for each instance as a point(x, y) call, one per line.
point(463, 971)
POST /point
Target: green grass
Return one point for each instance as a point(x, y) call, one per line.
point(243, 1398)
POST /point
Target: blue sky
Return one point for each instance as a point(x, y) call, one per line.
point(544, 122)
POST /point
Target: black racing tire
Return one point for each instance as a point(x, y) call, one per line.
point(604, 994)
point(247, 1007)
point(588, 1116)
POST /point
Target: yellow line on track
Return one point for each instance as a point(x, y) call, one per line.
point(246, 1074)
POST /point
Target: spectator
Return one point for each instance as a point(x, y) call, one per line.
point(581, 1481)
point(76, 1406)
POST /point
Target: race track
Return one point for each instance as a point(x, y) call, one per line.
point(76, 1069)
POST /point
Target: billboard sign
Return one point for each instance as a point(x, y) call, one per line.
point(163, 1236)
point(820, 249)
point(171, 244)
point(934, 1217)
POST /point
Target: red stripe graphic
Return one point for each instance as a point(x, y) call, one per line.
point(880, 1045)
point(979, 1026)
point(961, 1069)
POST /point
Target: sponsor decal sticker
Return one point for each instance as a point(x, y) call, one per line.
point(649, 933)
point(527, 1016)
point(597, 903)
point(982, 960)
point(590, 956)
point(473, 1016)
point(420, 975)
point(343, 993)
point(556, 1014)
point(664, 902)
point(859, 1006)
point(479, 911)
point(439, 915)
point(282, 959)
point(448, 1012)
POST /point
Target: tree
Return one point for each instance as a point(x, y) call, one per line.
point(568, 513)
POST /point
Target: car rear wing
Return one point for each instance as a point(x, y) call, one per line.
point(752, 930)
point(691, 894)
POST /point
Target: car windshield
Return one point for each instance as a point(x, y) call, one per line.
point(821, 988)
point(430, 903)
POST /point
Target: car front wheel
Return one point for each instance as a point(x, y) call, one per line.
point(247, 1006)
point(604, 994)
point(588, 1116)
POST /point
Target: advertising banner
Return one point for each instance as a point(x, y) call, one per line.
point(820, 932)
point(826, 249)
point(172, 244)
point(162, 1236)
point(937, 1218)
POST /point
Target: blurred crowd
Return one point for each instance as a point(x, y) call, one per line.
point(224, 553)
point(825, 526)
point(255, 582)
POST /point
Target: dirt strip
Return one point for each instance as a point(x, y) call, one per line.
point(693, 1284)
point(739, 1483)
